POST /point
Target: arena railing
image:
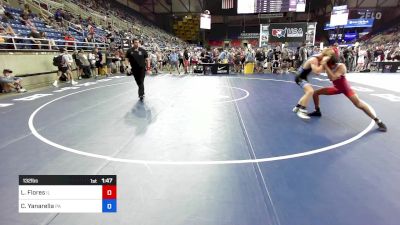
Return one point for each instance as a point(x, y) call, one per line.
point(50, 5)
point(97, 17)
point(51, 8)
point(13, 43)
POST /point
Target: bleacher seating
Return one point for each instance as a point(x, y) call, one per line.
point(152, 36)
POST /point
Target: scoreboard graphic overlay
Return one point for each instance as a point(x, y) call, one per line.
point(67, 194)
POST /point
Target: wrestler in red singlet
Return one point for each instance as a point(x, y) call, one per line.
point(336, 73)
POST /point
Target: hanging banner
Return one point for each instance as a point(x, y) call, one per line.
point(311, 30)
point(353, 23)
point(264, 35)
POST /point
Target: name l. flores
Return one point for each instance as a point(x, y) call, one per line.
point(32, 192)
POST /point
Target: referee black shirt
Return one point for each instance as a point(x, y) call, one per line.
point(137, 57)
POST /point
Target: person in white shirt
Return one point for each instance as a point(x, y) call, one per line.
point(153, 61)
point(362, 54)
point(92, 60)
point(65, 67)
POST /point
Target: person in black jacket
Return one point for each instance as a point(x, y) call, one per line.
point(138, 59)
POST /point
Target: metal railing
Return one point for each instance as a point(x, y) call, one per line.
point(51, 8)
point(15, 43)
point(97, 17)
point(37, 5)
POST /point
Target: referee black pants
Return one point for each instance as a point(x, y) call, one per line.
point(139, 74)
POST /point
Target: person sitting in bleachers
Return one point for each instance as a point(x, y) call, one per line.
point(26, 21)
point(44, 43)
point(58, 15)
point(6, 30)
point(34, 35)
point(70, 40)
point(394, 54)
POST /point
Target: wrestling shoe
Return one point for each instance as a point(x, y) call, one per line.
point(381, 126)
point(315, 113)
point(302, 113)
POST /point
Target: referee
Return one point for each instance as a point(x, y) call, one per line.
point(138, 58)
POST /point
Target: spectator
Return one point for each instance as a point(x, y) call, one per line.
point(26, 21)
point(44, 42)
point(64, 66)
point(160, 59)
point(92, 61)
point(58, 15)
point(180, 56)
point(277, 58)
point(31, 15)
point(303, 55)
point(348, 55)
point(34, 36)
point(6, 43)
point(119, 58)
point(110, 59)
point(379, 54)
point(186, 62)
point(336, 49)
point(260, 58)
point(153, 61)
point(91, 29)
point(99, 61)
point(69, 41)
point(368, 59)
point(84, 64)
point(285, 60)
point(173, 59)
point(362, 55)
point(6, 30)
point(26, 8)
point(396, 55)
point(237, 62)
point(89, 39)
point(9, 82)
point(78, 64)
point(53, 24)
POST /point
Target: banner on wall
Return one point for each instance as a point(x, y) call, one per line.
point(287, 32)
